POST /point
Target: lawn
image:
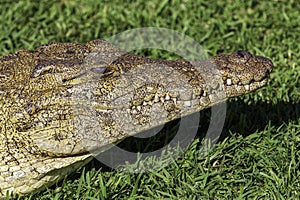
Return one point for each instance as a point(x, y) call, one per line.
point(258, 155)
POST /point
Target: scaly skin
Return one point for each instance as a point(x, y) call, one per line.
point(65, 101)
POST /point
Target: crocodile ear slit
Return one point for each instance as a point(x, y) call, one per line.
point(99, 70)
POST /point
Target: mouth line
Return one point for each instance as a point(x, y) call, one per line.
point(253, 85)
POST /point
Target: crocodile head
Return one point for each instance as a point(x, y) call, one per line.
point(57, 87)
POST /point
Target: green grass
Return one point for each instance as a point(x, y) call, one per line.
point(259, 155)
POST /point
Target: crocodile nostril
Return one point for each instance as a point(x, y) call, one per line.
point(240, 54)
point(243, 53)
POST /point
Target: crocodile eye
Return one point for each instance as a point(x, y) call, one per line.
point(99, 70)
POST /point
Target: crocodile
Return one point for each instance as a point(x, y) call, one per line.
point(64, 101)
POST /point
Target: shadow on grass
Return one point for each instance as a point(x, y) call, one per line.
point(247, 119)
point(241, 119)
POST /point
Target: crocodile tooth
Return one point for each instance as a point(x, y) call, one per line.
point(156, 99)
point(162, 99)
point(247, 87)
point(139, 108)
point(167, 98)
point(187, 103)
point(175, 101)
point(204, 94)
point(144, 103)
point(229, 81)
point(150, 88)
